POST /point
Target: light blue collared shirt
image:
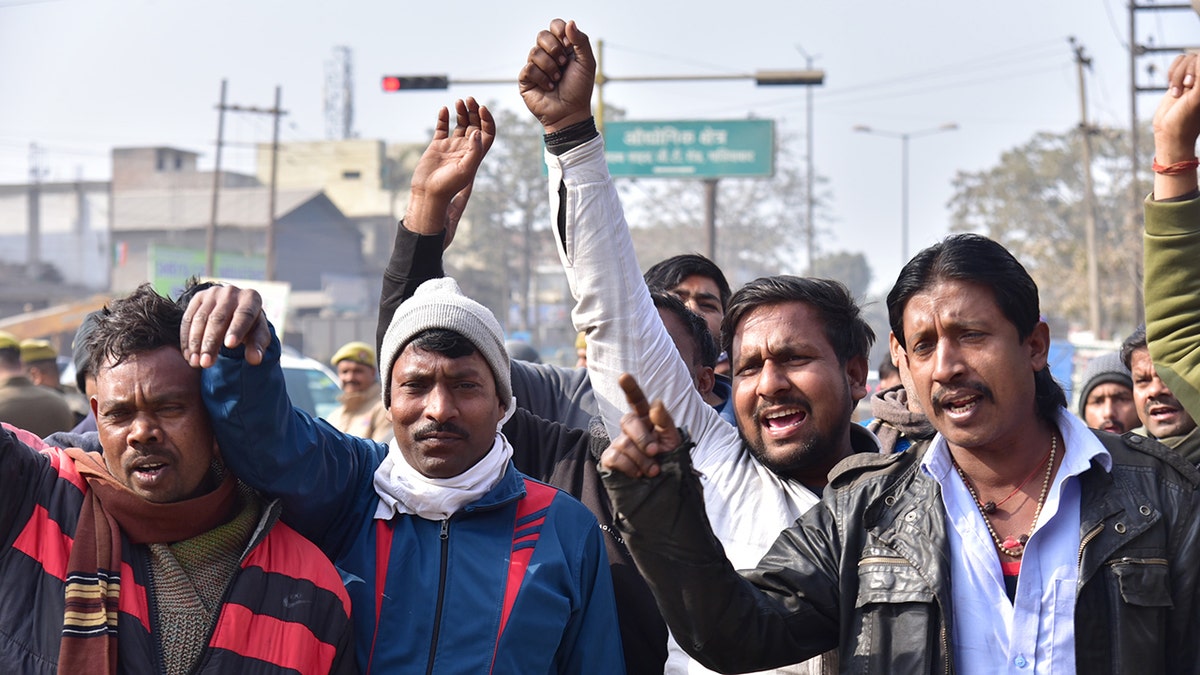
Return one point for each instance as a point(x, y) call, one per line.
point(1035, 633)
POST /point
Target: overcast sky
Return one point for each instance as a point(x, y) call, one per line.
point(79, 77)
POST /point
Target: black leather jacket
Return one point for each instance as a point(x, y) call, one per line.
point(866, 570)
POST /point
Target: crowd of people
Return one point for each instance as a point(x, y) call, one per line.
point(693, 495)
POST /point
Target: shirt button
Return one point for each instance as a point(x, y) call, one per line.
point(1020, 662)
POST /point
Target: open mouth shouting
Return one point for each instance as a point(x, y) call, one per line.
point(959, 404)
point(784, 419)
point(1165, 418)
point(781, 420)
point(148, 472)
point(1162, 412)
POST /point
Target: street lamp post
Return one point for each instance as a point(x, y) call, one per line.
point(904, 138)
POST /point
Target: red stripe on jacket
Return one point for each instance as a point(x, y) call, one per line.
point(133, 597)
point(266, 638)
point(65, 466)
point(27, 437)
point(537, 497)
point(43, 540)
point(292, 555)
point(62, 465)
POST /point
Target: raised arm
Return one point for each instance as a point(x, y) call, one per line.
point(441, 186)
point(1172, 237)
point(613, 305)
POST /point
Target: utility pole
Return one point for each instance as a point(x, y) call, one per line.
point(210, 246)
point(710, 216)
point(34, 198)
point(1089, 194)
point(276, 112)
point(810, 224)
point(601, 78)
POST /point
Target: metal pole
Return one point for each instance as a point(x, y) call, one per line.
point(808, 171)
point(710, 216)
point(1135, 194)
point(34, 210)
point(1089, 197)
point(904, 138)
point(211, 240)
point(271, 199)
point(904, 199)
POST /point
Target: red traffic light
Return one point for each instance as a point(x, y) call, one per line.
point(406, 82)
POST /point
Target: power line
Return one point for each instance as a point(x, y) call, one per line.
point(5, 4)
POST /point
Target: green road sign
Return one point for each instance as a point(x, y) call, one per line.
point(691, 148)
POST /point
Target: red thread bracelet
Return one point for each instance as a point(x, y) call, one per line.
point(1176, 168)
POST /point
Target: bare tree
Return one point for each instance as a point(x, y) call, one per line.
point(1032, 202)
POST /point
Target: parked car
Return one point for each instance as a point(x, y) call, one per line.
point(311, 385)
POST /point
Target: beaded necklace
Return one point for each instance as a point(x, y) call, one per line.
point(1013, 547)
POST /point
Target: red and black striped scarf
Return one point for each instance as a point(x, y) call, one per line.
point(93, 588)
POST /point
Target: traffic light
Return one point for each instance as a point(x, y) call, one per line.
point(780, 77)
point(407, 82)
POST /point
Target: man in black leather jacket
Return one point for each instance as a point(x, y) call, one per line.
point(941, 558)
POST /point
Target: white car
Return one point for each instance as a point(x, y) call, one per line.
point(310, 384)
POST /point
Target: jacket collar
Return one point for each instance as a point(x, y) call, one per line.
point(510, 488)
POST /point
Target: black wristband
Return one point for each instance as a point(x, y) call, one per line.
point(685, 442)
point(572, 137)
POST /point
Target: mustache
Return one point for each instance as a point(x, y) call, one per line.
point(432, 428)
point(796, 401)
point(1167, 400)
point(145, 452)
point(939, 398)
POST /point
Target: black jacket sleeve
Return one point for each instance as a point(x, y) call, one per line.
point(783, 612)
point(416, 258)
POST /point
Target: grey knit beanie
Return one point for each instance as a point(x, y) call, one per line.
point(439, 303)
point(1100, 370)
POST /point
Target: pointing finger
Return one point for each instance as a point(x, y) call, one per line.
point(634, 395)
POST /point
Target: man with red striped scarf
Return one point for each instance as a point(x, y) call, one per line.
point(148, 556)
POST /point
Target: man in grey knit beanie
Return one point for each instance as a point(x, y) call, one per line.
point(439, 303)
point(1106, 397)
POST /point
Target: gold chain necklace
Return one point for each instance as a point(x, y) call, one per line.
point(1010, 546)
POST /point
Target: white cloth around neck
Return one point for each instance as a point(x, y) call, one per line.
point(403, 489)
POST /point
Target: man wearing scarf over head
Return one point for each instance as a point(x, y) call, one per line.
point(453, 559)
point(149, 557)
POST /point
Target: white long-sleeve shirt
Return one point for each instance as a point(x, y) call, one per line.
point(747, 505)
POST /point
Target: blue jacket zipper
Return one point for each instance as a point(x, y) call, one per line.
point(441, 596)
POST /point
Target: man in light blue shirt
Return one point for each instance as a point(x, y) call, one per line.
point(1017, 541)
